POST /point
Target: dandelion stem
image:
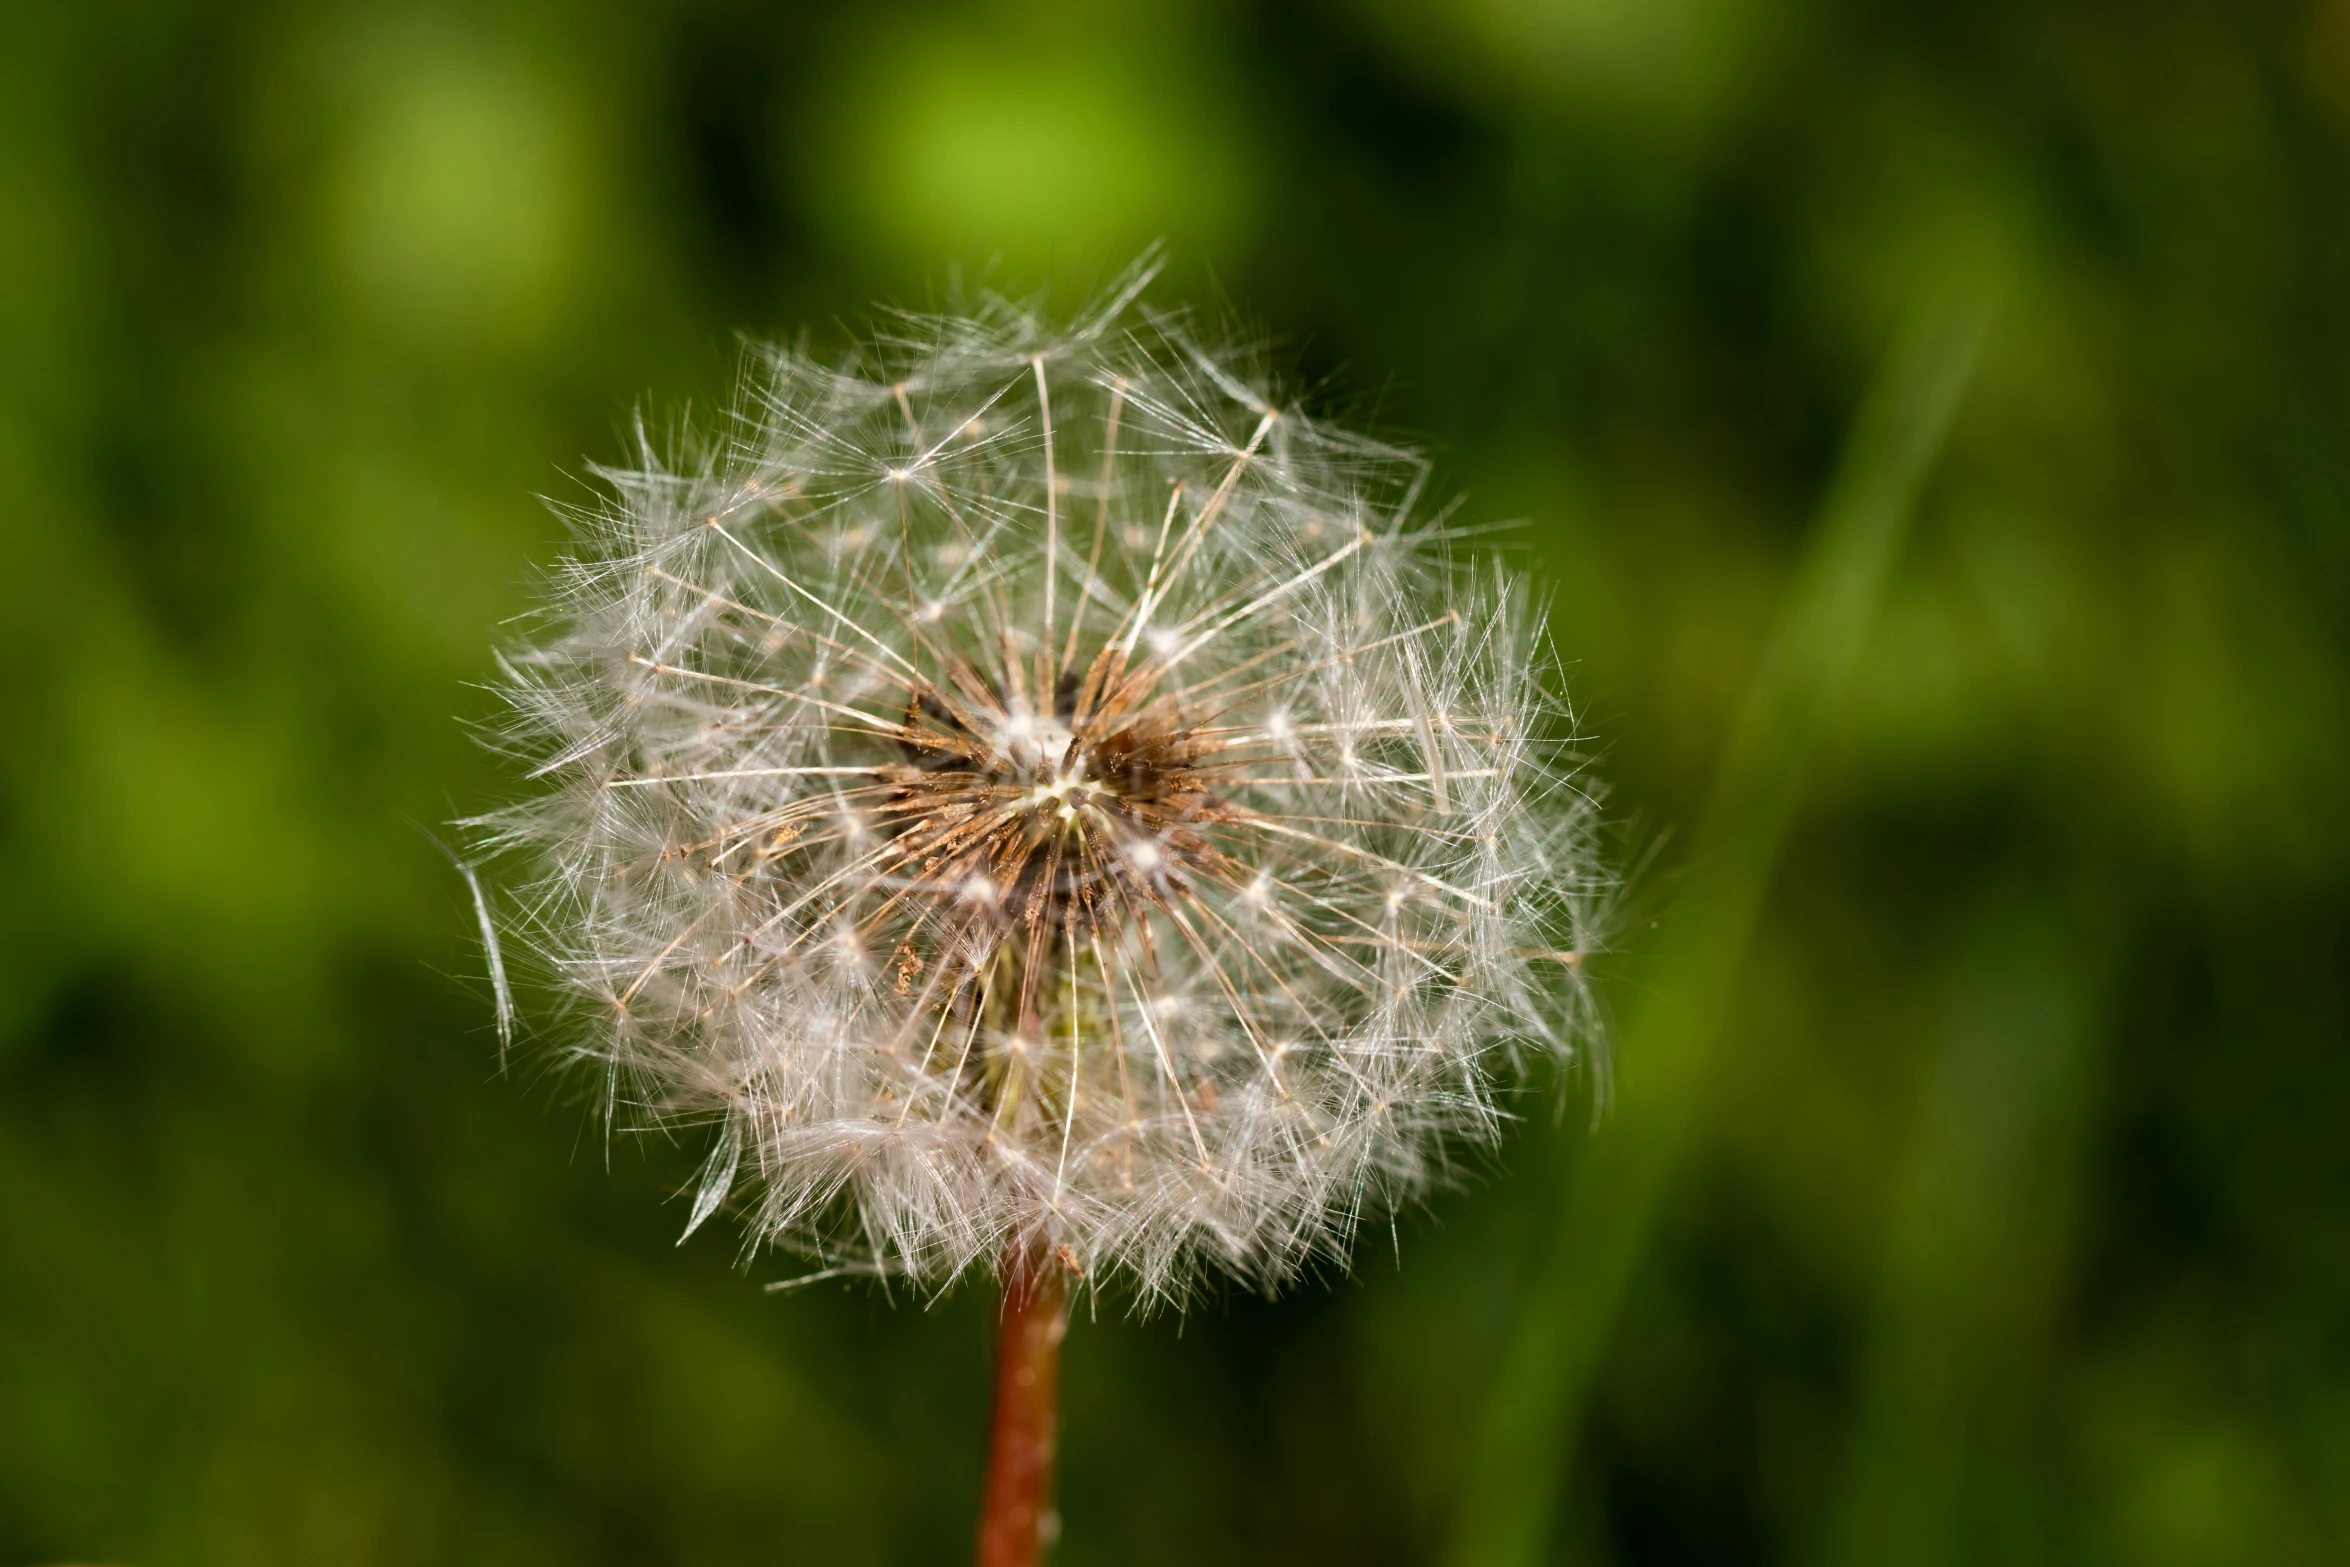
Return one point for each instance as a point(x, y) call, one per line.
point(1013, 1513)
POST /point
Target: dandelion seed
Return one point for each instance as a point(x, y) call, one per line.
point(1038, 795)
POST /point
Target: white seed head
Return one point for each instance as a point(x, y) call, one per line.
point(1030, 787)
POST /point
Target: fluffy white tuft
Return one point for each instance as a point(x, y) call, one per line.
point(1033, 789)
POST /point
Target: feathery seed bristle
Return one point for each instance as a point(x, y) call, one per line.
point(1032, 788)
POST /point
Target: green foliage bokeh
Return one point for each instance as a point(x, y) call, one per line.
point(2017, 1225)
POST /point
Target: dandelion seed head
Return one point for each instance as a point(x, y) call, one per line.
point(1027, 785)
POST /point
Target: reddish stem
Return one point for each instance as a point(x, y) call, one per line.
point(1021, 1434)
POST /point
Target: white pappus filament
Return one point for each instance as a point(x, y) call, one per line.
point(1029, 786)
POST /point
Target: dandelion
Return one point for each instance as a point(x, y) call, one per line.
point(1049, 807)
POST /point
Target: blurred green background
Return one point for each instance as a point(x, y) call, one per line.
point(2017, 1226)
